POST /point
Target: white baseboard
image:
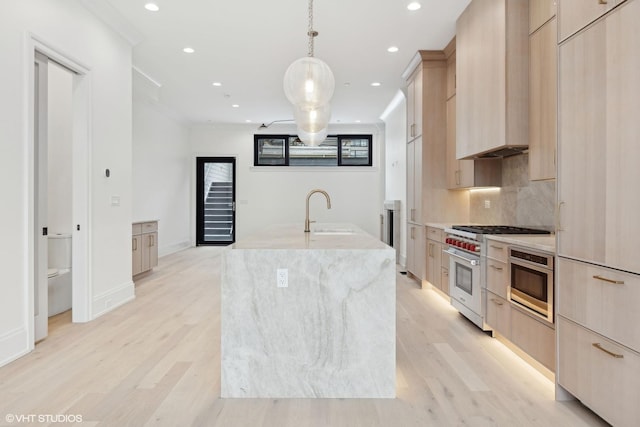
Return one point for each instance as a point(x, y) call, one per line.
point(112, 299)
point(176, 247)
point(13, 344)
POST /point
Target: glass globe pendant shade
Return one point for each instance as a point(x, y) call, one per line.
point(310, 81)
point(312, 118)
point(313, 139)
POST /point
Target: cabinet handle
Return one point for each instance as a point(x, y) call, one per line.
point(602, 1)
point(558, 222)
point(495, 268)
point(412, 233)
point(610, 353)
point(457, 174)
point(497, 302)
point(135, 244)
point(497, 247)
point(604, 279)
point(413, 214)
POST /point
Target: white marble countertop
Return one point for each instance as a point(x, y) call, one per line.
point(545, 243)
point(322, 236)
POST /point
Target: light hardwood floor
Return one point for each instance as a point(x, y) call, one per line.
point(156, 361)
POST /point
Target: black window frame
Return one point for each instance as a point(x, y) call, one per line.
point(339, 160)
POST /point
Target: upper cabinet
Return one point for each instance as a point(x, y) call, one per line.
point(540, 11)
point(543, 92)
point(577, 14)
point(492, 73)
point(414, 105)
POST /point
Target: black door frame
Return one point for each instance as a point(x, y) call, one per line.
point(200, 162)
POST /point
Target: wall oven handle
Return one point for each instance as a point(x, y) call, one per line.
point(465, 259)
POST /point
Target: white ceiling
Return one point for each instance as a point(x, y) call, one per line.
point(248, 45)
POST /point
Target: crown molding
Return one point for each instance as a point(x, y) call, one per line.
point(110, 16)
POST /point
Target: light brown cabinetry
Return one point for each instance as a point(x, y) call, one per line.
point(144, 246)
point(540, 11)
point(543, 101)
point(577, 14)
point(598, 148)
point(498, 306)
point(434, 257)
point(415, 250)
point(536, 337)
point(601, 373)
point(598, 157)
point(414, 105)
point(492, 49)
point(497, 277)
point(499, 314)
point(414, 181)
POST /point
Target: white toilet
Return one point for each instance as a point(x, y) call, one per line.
point(59, 273)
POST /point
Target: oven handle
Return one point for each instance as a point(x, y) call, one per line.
point(467, 260)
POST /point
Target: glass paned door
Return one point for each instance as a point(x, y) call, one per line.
point(216, 200)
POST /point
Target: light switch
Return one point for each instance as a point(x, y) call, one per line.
point(282, 277)
point(115, 200)
point(487, 204)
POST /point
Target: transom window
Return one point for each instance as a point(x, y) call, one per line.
point(335, 150)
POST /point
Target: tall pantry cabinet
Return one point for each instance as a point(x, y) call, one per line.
point(598, 271)
point(426, 114)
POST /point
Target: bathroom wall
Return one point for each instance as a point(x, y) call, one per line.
point(59, 146)
point(519, 201)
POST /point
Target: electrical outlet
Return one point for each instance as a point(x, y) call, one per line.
point(487, 204)
point(282, 277)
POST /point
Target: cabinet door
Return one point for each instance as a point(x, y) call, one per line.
point(146, 249)
point(582, 146)
point(622, 144)
point(542, 102)
point(453, 172)
point(444, 278)
point(416, 251)
point(411, 91)
point(540, 11)
point(411, 178)
point(576, 14)
point(602, 374)
point(451, 75)
point(434, 263)
point(417, 103)
point(153, 249)
point(498, 280)
point(499, 314)
point(534, 337)
point(136, 248)
point(415, 212)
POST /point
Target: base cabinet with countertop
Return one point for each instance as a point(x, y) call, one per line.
point(144, 246)
point(434, 258)
point(532, 335)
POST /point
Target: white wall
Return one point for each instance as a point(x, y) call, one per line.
point(161, 173)
point(67, 27)
point(395, 118)
point(59, 149)
point(272, 195)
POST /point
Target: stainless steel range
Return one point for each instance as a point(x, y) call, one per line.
point(467, 266)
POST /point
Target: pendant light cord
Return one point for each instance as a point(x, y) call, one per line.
point(311, 33)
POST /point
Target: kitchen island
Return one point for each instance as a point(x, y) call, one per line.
point(308, 315)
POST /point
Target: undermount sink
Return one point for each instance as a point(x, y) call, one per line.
point(334, 231)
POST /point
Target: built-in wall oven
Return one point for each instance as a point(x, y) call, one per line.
point(531, 275)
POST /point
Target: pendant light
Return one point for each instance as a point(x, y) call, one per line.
point(309, 85)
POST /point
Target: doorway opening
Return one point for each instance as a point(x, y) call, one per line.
point(215, 200)
point(58, 202)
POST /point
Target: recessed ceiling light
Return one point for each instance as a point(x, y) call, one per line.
point(152, 7)
point(392, 49)
point(235, 106)
point(188, 50)
point(248, 121)
point(375, 84)
point(414, 6)
point(217, 84)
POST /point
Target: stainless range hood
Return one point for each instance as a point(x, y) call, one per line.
point(503, 152)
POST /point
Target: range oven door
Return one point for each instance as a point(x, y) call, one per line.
point(465, 285)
